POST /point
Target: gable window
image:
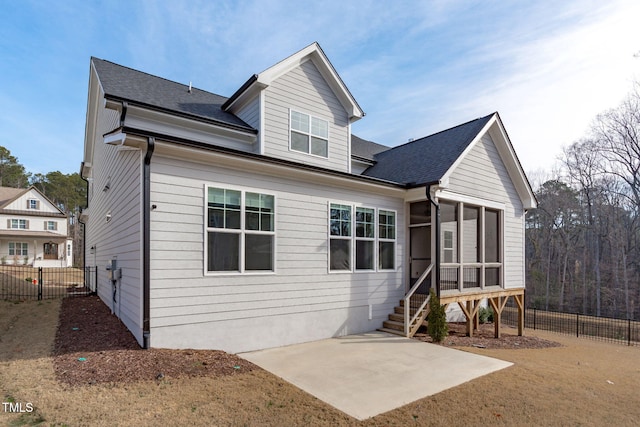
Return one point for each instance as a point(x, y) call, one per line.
point(50, 225)
point(340, 237)
point(18, 249)
point(365, 238)
point(33, 204)
point(18, 224)
point(309, 134)
point(386, 240)
point(240, 231)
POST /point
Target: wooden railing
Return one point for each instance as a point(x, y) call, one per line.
point(416, 303)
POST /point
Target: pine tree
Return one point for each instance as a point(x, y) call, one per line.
point(437, 327)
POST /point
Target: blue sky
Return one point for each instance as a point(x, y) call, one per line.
point(415, 67)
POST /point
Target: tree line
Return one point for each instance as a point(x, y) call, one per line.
point(583, 240)
point(67, 191)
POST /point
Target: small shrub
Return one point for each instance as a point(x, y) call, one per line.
point(3, 260)
point(437, 327)
point(485, 315)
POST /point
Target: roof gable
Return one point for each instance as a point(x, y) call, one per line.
point(10, 201)
point(313, 53)
point(434, 158)
point(427, 159)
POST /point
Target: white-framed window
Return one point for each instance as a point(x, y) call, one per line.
point(386, 239)
point(33, 204)
point(18, 224)
point(361, 238)
point(18, 249)
point(50, 225)
point(365, 238)
point(340, 237)
point(308, 134)
point(240, 231)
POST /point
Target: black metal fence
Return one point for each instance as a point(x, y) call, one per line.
point(622, 331)
point(19, 283)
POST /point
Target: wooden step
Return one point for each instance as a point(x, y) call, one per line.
point(390, 324)
point(397, 317)
point(392, 331)
point(400, 310)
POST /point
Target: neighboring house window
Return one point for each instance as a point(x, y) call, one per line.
point(386, 240)
point(18, 224)
point(18, 249)
point(50, 225)
point(309, 134)
point(365, 238)
point(33, 204)
point(340, 237)
point(240, 231)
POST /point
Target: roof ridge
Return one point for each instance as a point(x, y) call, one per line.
point(155, 76)
point(442, 131)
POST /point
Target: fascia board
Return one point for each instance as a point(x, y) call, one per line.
point(314, 53)
point(478, 137)
point(164, 123)
point(514, 168)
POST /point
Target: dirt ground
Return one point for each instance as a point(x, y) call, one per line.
point(580, 382)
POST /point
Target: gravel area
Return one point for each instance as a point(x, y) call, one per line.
point(93, 346)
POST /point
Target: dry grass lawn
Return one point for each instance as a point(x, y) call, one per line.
point(581, 383)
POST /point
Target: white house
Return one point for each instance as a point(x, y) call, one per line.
point(33, 231)
point(259, 220)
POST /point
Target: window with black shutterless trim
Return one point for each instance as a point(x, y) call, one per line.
point(240, 231)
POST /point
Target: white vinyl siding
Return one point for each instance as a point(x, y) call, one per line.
point(303, 298)
point(250, 113)
point(304, 89)
point(119, 238)
point(482, 174)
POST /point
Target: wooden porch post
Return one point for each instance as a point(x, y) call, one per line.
point(520, 302)
point(498, 304)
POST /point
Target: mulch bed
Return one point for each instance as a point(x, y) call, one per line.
point(93, 346)
point(484, 337)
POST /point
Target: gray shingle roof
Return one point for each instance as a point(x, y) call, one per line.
point(365, 149)
point(426, 159)
point(134, 86)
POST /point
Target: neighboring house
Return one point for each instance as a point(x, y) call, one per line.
point(33, 231)
point(259, 220)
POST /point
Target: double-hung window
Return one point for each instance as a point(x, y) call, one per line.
point(18, 249)
point(240, 231)
point(386, 240)
point(33, 204)
point(370, 246)
point(340, 237)
point(309, 134)
point(19, 224)
point(365, 238)
point(51, 225)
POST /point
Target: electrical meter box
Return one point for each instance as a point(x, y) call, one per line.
point(113, 271)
